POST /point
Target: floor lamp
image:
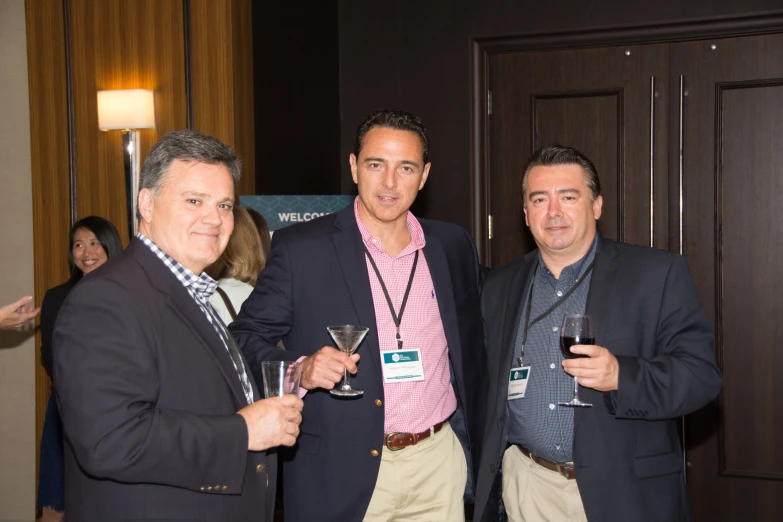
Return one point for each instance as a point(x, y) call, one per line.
point(128, 111)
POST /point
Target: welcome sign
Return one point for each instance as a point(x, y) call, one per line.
point(281, 211)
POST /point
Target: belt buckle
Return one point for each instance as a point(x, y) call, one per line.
point(564, 470)
point(388, 437)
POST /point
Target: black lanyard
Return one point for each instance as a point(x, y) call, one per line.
point(397, 318)
point(529, 323)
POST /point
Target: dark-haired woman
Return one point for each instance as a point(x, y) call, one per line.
point(93, 240)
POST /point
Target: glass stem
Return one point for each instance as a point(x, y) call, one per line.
point(346, 382)
point(576, 388)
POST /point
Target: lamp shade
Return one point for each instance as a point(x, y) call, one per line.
point(126, 109)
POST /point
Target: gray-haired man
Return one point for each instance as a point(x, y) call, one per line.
point(157, 402)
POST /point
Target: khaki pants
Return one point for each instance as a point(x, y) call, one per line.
point(533, 493)
point(421, 483)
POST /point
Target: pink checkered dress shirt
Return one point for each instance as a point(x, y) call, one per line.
point(411, 407)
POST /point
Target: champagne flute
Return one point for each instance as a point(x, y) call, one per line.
point(576, 329)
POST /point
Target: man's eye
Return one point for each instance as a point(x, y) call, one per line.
point(226, 206)
point(194, 201)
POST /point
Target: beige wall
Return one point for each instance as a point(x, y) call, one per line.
point(17, 361)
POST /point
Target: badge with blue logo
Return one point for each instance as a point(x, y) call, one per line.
point(517, 382)
point(402, 366)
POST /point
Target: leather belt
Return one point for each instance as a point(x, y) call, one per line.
point(397, 441)
point(566, 470)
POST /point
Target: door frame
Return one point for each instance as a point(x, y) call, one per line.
point(482, 48)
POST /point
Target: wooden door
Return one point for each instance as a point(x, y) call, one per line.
point(732, 237)
point(607, 102)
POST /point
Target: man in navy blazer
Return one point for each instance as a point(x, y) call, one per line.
point(403, 450)
point(162, 420)
point(652, 361)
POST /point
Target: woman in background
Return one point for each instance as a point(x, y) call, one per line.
point(237, 269)
point(263, 231)
point(93, 240)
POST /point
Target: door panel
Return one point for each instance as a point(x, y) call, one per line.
point(602, 101)
point(732, 121)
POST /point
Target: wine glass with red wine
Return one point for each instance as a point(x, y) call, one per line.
point(577, 329)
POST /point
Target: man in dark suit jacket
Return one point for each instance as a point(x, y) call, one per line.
point(332, 271)
point(652, 362)
point(157, 405)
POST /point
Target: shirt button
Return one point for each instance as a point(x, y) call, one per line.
point(551, 406)
point(374, 453)
point(260, 468)
point(552, 366)
point(554, 328)
point(559, 293)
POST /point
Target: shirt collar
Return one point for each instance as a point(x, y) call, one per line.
point(418, 240)
point(202, 285)
point(576, 270)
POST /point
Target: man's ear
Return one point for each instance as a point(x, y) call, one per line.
point(354, 168)
point(425, 175)
point(146, 205)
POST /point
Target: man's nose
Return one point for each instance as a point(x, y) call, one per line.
point(389, 179)
point(554, 209)
point(212, 215)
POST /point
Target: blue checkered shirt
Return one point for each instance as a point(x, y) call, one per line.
point(536, 421)
point(201, 288)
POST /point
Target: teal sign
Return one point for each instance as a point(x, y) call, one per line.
point(281, 211)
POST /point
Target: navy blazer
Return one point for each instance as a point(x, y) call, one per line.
point(148, 395)
point(316, 276)
point(626, 448)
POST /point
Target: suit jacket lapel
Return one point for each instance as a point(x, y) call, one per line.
point(444, 292)
point(179, 299)
point(350, 254)
point(515, 299)
point(602, 286)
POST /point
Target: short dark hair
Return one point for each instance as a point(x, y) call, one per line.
point(104, 232)
point(185, 145)
point(398, 120)
point(561, 155)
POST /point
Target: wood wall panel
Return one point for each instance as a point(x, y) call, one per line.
point(221, 48)
point(49, 161)
point(121, 44)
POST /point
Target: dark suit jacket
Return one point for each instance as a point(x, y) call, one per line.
point(52, 302)
point(148, 396)
point(316, 276)
point(626, 448)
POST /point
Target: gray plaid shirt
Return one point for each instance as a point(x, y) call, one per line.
point(201, 288)
point(536, 421)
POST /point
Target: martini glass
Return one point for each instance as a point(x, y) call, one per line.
point(347, 337)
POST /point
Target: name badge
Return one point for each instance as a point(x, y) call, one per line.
point(517, 382)
point(402, 366)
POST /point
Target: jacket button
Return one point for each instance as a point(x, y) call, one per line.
point(202, 488)
point(378, 402)
point(224, 488)
point(374, 453)
point(260, 468)
point(209, 488)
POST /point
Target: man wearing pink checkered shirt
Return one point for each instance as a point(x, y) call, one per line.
point(404, 449)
